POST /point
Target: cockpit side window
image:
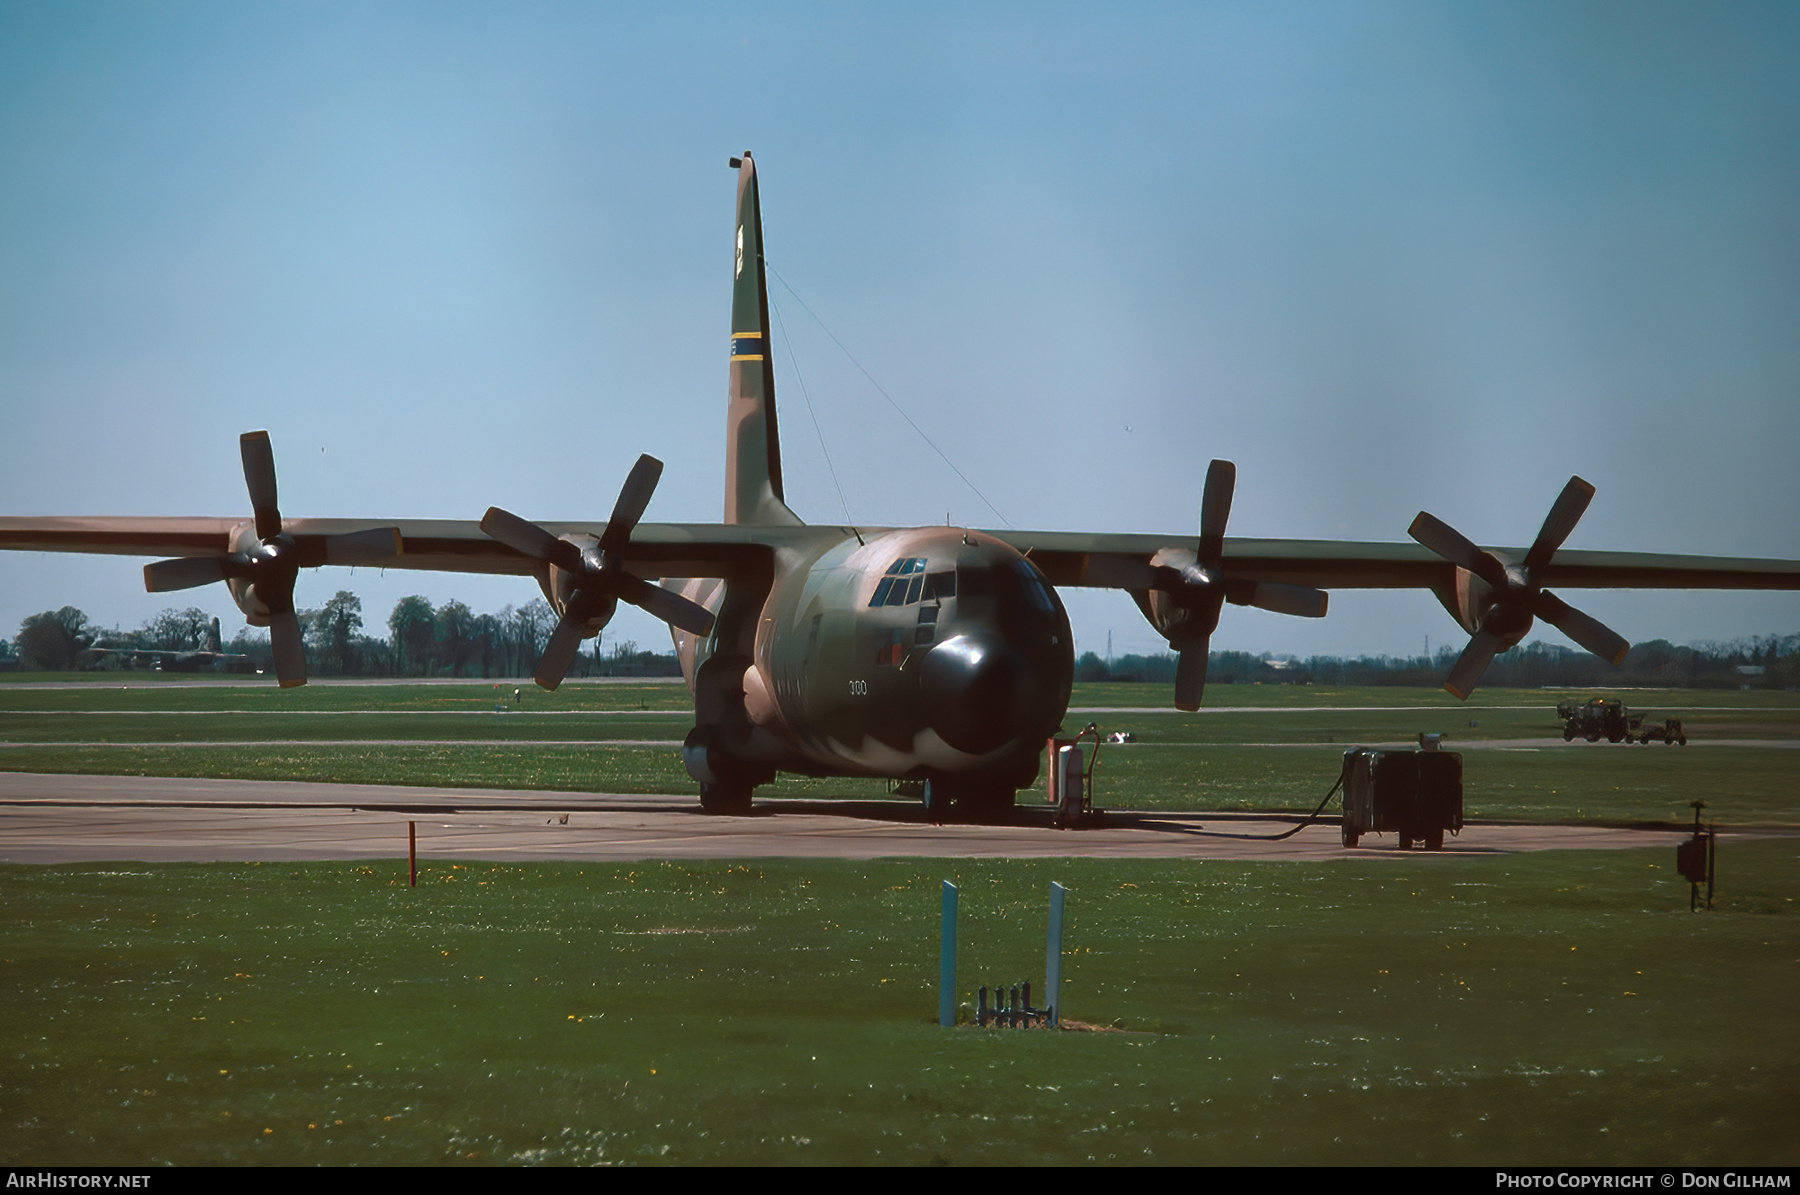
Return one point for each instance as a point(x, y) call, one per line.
point(1034, 586)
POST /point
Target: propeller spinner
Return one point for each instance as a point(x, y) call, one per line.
point(265, 561)
point(598, 580)
point(1199, 590)
point(1520, 597)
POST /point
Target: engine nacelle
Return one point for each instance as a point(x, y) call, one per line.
point(1467, 597)
point(255, 606)
point(1171, 619)
point(558, 585)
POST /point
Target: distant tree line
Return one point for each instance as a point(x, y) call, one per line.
point(452, 640)
point(448, 640)
point(51, 641)
point(1757, 662)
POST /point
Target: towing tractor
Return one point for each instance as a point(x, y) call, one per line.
point(1603, 718)
point(1594, 720)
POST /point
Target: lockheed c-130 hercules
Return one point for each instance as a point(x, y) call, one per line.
point(208, 655)
point(936, 654)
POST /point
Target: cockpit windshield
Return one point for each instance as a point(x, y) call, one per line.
point(903, 583)
point(907, 582)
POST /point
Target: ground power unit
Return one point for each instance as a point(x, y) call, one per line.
point(1415, 794)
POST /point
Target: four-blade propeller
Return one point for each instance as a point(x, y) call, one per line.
point(1200, 589)
point(1519, 595)
point(262, 569)
point(598, 580)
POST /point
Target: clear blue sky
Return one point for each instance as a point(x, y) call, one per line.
point(1384, 256)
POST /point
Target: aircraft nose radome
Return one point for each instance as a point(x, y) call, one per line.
point(975, 689)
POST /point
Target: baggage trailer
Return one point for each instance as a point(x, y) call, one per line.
point(1415, 794)
point(1667, 732)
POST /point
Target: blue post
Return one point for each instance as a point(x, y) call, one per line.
point(947, 960)
point(1053, 956)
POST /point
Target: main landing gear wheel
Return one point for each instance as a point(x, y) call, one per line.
point(1351, 836)
point(985, 800)
point(974, 799)
point(725, 798)
point(1434, 839)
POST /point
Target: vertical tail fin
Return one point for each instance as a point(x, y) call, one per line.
point(753, 491)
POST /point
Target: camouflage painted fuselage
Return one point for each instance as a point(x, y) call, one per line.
point(923, 653)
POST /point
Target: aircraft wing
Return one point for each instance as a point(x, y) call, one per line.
point(1123, 562)
point(1105, 560)
point(119, 536)
point(440, 545)
point(656, 549)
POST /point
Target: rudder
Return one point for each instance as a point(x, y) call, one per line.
point(753, 492)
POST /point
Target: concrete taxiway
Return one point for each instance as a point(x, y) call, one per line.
point(71, 818)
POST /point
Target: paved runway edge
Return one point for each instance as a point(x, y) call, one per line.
point(79, 818)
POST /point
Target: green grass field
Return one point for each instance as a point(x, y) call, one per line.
point(1558, 1008)
point(1553, 1008)
point(451, 735)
